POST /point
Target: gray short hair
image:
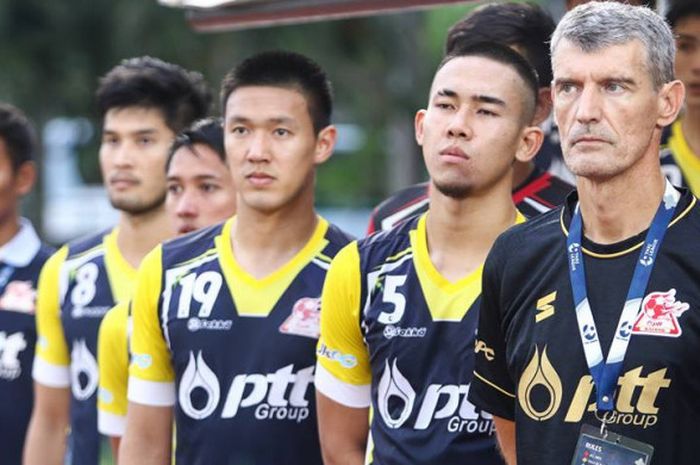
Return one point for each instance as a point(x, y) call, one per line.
point(597, 25)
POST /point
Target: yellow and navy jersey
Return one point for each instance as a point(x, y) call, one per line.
point(113, 363)
point(678, 162)
point(77, 286)
point(234, 354)
point(530, 364)
point(21, 260)
point(398, 337)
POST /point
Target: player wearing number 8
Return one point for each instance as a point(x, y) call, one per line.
point(144, 103)
point(402, 305)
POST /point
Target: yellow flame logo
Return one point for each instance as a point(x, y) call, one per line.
point(540, 372)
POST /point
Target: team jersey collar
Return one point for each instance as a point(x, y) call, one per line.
point(316, 243)
point(23, 247)
point(631, 244)
point(115, 257)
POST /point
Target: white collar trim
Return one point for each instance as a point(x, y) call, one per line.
point(23, 247)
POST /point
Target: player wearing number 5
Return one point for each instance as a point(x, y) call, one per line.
point(144, 103)
point(399, 309)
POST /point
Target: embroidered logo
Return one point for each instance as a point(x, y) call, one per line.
point(305, 318)
point(659, 315)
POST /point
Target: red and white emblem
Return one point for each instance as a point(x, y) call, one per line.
point(659, 315)
point(19, 296)
point(305, 318)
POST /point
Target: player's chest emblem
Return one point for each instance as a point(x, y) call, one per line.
point(660, 315)
point(19, 296)
point(305, 318)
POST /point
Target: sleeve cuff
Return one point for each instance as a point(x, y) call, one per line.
point(492, 398)
point(110, 424)
point(154, 393)
point(48, 374)
point(349, 395)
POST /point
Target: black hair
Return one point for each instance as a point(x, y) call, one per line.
point(18, 134)
point(524, 25)
point(680, 9)
point(181, 95)
point(208, 131)
point(502, 54)
point(286, 70)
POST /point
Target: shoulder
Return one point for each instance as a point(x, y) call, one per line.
point(86, 243)
point(337, 239)
point(191, 245)
point(384, 244)
point(527, 239)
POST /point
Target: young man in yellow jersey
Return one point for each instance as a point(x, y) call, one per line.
point(144, 102)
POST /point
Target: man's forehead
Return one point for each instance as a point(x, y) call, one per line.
point(626, 58)
point(474, 75)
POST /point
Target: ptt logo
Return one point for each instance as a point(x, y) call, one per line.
point(199, 392)
point(396, 400)
point(10, 347)
point(83, 371)
point(541, 394)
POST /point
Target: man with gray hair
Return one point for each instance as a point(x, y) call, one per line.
point(615, 268)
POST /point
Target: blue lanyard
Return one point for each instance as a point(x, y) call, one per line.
point(605, 373)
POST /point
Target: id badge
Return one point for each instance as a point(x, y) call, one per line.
point(608, 448)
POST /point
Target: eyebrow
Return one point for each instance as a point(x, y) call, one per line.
point(476, 98)
point(199, 177)
point(276, 120)
point(620, 79)
point(138, 132)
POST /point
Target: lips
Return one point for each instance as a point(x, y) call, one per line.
point(589, 140)
point(259, 179)
point(123, 181)
point(186, 228)
point(453, 153)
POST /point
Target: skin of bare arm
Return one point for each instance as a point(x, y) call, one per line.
point(343, 432)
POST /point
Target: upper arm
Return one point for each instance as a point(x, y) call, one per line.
point(492, 389)
point(343, 431)
point(343, 372)
point(113, 363)
point(151, 375)
point(148, 436)
point(52, 359)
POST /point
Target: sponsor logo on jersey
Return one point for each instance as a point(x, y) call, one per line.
point(19, 296)
point(345, 360)
point(305, 318)
point(281, 395)
point(481, 346)
point(195, 324)
point(540, 394)
point(11, 345)
point(396, 400)
point(142, 361)
point(545, 307)
point(659, 315)
point(83, 371)
point(392, 331)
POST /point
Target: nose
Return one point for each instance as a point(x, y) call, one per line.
point(458, 126)
point(122, 155)
point(588, 106)
point(186, 206)
point(259, 149)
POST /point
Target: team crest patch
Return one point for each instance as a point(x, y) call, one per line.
point(659, 315)
point(305, 318)
point(19, 296)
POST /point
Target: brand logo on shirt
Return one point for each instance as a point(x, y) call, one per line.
point(489, 354)
point(396, 398)
point(195, 324)
point(659, 315)
point(305, 318)
point(83, 371)
point(545, 309)
point(392, 331)
point(273, 396)
point(19, 296)
point(345, 360)
point(10, 348)
point(540, 394)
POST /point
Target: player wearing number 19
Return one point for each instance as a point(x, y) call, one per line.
point(226, 319)
point(144, 102)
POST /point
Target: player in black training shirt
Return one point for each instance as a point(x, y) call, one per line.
point(526, 28)
point(614, 91)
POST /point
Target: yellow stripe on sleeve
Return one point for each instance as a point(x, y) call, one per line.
point(51, 347)
point(341, 350)
point(113, 362)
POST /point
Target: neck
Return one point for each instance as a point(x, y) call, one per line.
point(8, 229)
point(138, 234)
point(461, 231)
point(612, 211)
point(263, 241)
point(691, 128)
point(521, 171)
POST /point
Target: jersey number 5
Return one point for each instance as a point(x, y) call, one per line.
point(391, 296)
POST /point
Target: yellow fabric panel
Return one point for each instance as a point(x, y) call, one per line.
point(447, 301)
point(113, 360)
point(122, 275)
point(687, 161)
point(341, 349)
point(51, 346)
point(150, 354)
point(257, 297)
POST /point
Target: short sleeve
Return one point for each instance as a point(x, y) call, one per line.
point(343, 371)
point(151, 375)
point(52, 358)
point(492, 388)
point(113, 362)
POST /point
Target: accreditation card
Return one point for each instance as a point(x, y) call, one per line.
point(608, 448)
